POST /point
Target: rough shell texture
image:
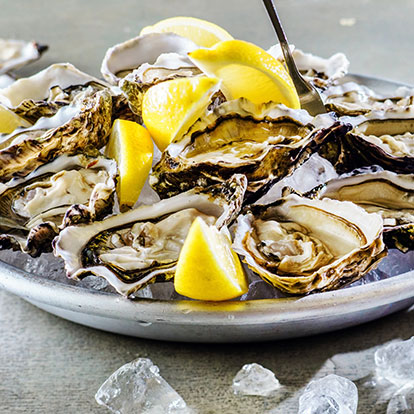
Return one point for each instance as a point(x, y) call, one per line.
point(66, 191)
point(83, 126)
point(311, 245)
point(264, 142)
point(383, 138)
point(222, 202)
point(44, 93)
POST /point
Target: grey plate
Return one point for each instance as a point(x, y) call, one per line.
point(254, 320)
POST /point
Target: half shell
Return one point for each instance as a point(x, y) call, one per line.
point(34, 207)
point(388, 194)
point(300, 245)
point(141, 246)
point(264, 142)
point(44, 93)
point(82, 126)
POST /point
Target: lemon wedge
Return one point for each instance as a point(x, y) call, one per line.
point(201, 32)
point(207, 268)
point(9, 121)
point(170, 108)
point(130, 144)
point(247, 71)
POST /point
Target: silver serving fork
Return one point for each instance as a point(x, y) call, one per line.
point(308, 96)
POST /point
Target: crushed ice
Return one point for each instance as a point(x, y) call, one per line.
point(253, 379)
point(329, 395)
point(137, 387)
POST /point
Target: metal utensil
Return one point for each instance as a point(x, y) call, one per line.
point(308, 96)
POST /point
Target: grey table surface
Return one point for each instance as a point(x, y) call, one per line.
point(49, 365)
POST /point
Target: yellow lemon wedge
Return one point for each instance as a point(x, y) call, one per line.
point(207, 268)
point(247, 71)
point(170, 108)
point(201, 32)
point(9, 121)
point(131, 146)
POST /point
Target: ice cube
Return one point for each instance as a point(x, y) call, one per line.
point(253, 379)
point(329, 395)
point(402, 402)
point(395, 362)
point(137, 387)
point(94, 282)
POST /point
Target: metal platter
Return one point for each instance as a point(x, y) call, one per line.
point(233, 321)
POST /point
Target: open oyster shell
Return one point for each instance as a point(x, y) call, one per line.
point(143, 61)
point(384, 138)
point(150, 51)
point(66, 191)
point(44, 93)
point(301, 245)
point(353, 99)
point(83, 125)
point(17, 53)
point(264, 142)
point(386, 193)
point(141, 246)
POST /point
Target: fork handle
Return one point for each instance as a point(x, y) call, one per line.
point(274, 18)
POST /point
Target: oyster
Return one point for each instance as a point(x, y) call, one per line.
point(264, 142)
point(320, 71)
point(352, 99)
point(141, 246)
point(384, 138)
point(44, 93)
point(83, 125)
point(146, 60)
point(153, 51)
point(34, 207)
point(17, 53)
point(386, 193)
point(301, 245)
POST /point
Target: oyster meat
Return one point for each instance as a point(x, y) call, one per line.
point(66, 191)
point(384, 138)
point(264, 142)
point(389, 194)
point(84, 125)
point(353, 99)
point(44, 93)
point(142, 246)
point(16, 53)
point(301, 245)
point(143, 61)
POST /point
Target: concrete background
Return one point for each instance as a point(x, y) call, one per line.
point(48, 365)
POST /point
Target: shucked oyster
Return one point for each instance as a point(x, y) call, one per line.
point(301, 245)
point(384, 138)
point(146, 60)
point(153, 51)
point(44, 93)
point(352, 99)
point(142, 246)
point(264, 142)
point(388, 194)
point(34, 207)
point(83, 125)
